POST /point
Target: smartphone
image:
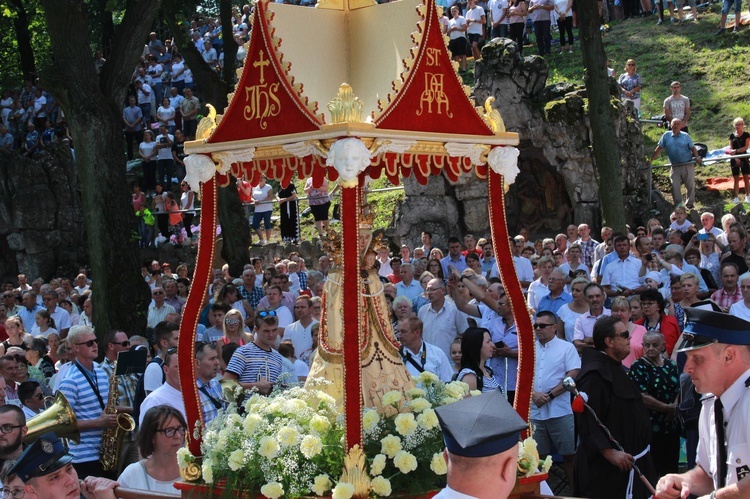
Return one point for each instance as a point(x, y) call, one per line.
point(703, 237)
point(649, 257)
point(500, 344)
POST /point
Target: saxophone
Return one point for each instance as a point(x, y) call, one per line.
point(112, 437)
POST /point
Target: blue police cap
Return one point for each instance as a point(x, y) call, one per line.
point(706, 327)
point(480, 426)
point(45, 455)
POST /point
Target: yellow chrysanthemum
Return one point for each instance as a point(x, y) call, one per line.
point(370, 419)
point(321, 485)
point(427, 378)
point(405, 424)
point(405, 462)
point(390, 445)
point(428, 419)
point(311, 446)
point(413, 393)
point(320, 424)
point(288, 436)
point(378, 465)
point(419, 404)
point(392, 398)
point(438, 465)
point(342, 490)
point(236, 460)
point(381, 486)
point(272, 490)
point(268, 447)
point(251, 423)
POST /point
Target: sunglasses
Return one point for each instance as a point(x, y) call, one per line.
point(89, 343)
point(542, 326)
point(232, 322)
point(267, 313)
point(624, 335)
point(39, 396)
point(125, 343)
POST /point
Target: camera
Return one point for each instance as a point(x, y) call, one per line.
point(649, 257)
point(500, 344)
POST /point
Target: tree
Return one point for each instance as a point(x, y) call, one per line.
point(93, 107)
point(601, 116)
point(21, 22)
point(214, 87)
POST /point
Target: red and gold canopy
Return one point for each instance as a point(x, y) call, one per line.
point(385, 77)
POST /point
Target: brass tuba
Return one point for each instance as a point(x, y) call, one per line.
point(58, 417)
point(109, 453)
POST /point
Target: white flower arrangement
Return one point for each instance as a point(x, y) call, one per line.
point(528, 459)
point(290, 444)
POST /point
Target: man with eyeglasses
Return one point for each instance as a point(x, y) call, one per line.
point(557, 296)
point(31, 397)
point(551, 413)
point(86, 386)
point(12, 431)
point(600, 469)
point(257, 364)
point(438, 317)
point(59, 314)
point(158, 310)
point(170, 393)
point(46, 471)
point(9, 298)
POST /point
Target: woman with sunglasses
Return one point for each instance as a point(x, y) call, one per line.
point(233, 333)
point(161, 435)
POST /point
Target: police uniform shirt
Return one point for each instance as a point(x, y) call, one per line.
point(736, 402)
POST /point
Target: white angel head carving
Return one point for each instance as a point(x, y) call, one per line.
point(199, 168)
point(349, 157)
point(504, 160)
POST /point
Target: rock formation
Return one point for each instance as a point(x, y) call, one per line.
point(558, 181)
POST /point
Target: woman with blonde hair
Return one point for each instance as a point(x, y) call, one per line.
point(233, 332)
point(17, 335)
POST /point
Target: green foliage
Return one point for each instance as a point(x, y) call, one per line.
point(10, 70)
point(713, 71)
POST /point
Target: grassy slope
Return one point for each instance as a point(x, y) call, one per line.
point(714, 72)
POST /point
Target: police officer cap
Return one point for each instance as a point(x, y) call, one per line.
point(706, 327)
point(45, 455)
point(480, 426)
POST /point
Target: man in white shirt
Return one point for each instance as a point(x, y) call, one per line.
point(438, 317)
point(499, 18)
point(273, 293)
point(58, 314)
point(143, 94)
point(551, 413)
point(621, 277)
point(419, 356)
point(300, 332)
point(158, 310)
point(583, 331)
point(170, 393)
point(707, 221)
point(741, 309)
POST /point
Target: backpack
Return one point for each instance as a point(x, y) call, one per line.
point(140, 390)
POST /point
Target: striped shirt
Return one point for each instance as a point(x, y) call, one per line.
point(250, 362)
point(209, 390)
point(86, 406)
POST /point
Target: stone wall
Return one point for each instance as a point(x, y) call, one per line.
point(558, 184)
point(41, 220)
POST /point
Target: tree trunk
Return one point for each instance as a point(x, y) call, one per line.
point(91, 104)
point(23, 38)
point(214, 90)
point(601, 117)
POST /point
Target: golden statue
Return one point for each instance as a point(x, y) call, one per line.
point(381, 365)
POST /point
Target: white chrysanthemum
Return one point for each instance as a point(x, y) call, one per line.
point(342, 490)
point(392, 398)
point(207, 472)
point(381, 486)
point(320, 424)
point(311, 446)
point(438, 464)
point(236, 460)
point(405, 462)
point(288, 436)
point(370, 419)
point(428, 419)
point(184, 457)
point(419, 404)
point(321, 485)
point(236, 418)
point(268, 447)
point(378, 465)
point(390, 445)
point(272, 490)
point(405, 424)
point(547, 464)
